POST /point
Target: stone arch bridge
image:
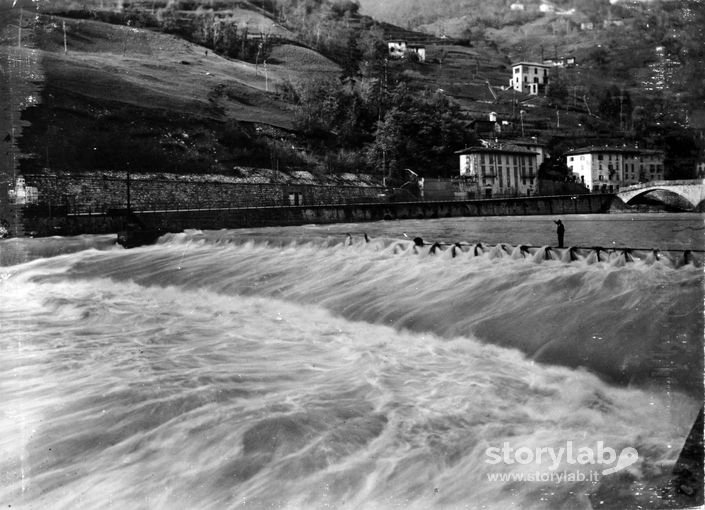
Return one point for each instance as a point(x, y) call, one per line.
point(691, 190)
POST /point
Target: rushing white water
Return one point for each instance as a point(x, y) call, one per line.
point(216, 371)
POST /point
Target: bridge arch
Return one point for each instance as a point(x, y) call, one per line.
point(692, 191)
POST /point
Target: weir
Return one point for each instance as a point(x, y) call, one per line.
point(590, 254)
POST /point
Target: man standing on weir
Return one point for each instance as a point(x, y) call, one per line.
point(560, 231)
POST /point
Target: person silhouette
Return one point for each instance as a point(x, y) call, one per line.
point(560, 230)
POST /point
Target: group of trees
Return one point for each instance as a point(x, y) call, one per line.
point(378, 123)
point(381, 130)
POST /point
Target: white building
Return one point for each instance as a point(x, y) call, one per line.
point(23, 194)
point(606, 169)
point(502, 170)
point(533, 145)
point(400, 49)
point(517, 7)
point(529, 77)
point(560, 62)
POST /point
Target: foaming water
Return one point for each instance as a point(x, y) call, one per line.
point(210, 371)
point(17, 250)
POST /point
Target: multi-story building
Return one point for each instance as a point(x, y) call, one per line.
point(529, 77)
point(606, 169)
point(502, 170)
point(533, 145)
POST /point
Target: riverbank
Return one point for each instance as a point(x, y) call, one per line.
point(46, 222)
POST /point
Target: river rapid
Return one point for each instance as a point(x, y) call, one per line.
point(304, 368)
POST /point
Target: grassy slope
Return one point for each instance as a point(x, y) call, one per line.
point(138, 67)
point(119, 87)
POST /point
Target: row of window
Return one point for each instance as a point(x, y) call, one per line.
point(508, 159)
point(526, 70)
point(600, 157)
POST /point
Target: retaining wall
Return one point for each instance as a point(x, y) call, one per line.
point(58, 223)
point(96, 193)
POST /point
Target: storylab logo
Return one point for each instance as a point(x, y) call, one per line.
point(551, 458)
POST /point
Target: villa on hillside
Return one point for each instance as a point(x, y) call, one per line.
point(606, 169)
point(529, 77)
point(498, 170)
point(399, 49)
point(560, 62)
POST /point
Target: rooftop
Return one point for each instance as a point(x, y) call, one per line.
point(536, 64)
point(504, 149)
point(612, 150)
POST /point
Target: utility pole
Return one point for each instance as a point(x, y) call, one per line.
point(19, 31)
point(521, 121)
point(259, 49)
point(128, 190)
point(384, 167)
point(63, 25)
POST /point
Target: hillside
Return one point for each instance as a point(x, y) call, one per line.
point(115, 96)
point(216, 86)
point(626, 43)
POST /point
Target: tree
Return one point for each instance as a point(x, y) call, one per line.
point(616, 106)
point(557, 89)
point(419, 132)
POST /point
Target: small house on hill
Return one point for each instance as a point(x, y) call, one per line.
point(529, 77)
point(399, 49)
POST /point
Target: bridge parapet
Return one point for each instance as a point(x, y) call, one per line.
point(659, 184)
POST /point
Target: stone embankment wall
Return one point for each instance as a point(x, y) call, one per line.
point(95, 194)
point(218, 218)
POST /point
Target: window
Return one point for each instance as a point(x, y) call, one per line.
point(599, 157)
point(295, 198)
